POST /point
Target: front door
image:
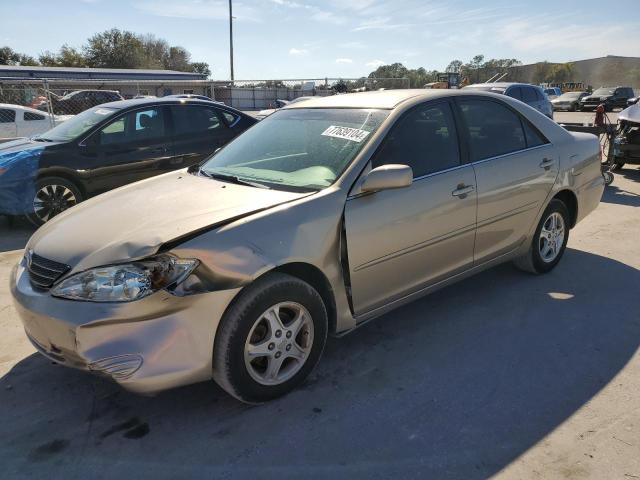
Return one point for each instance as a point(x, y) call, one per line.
point(130, 148)
point(515, 167)
point(399, 241)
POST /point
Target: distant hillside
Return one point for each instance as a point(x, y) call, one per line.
point(605, 71)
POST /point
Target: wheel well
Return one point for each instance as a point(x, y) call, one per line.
point(569, 199)
point(66, 176)
point(314, 277)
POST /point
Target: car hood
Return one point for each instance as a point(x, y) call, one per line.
point(132, 222)
point(631, 114)
point(22, 144)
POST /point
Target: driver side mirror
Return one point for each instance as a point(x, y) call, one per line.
point(386, 177)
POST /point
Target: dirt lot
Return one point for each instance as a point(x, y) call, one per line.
point(504, 375)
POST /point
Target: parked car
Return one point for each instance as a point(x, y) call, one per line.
point(109, 146)
point(552, 92)
point(569, 101)
point(79, 101)
point(611, 97)
point(321, 217)
point(530, 94)
point(626, 144)
point(632, 101)
point(278, 105)
point(18, 121)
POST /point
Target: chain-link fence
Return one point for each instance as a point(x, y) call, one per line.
point(262, 94)
point(32, 106)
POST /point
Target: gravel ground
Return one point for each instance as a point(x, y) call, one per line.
point(504, 374)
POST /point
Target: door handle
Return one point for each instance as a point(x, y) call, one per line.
point(546, 163)
point(462, 190)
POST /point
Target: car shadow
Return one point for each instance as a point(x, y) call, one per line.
point(14, 233)
point(619, 196)
point(456, 385)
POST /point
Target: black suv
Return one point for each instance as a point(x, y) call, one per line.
point(610, 97)
point(108, 146)
point(80, 100)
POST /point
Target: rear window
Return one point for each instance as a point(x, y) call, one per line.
point(33, 116)
point(7, 115)
point(529, 95)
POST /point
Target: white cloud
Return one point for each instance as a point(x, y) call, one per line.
point(298, 52)
point(344, 60)
point(380, 23)
point(375, 63)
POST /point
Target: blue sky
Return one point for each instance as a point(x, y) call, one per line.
point(348, 38)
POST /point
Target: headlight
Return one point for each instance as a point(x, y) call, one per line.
point(126, 282)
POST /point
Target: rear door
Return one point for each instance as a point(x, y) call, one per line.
point(8, 127)
point(131, 147)
point(399, 241)
point(198, 131)
point(515, 168)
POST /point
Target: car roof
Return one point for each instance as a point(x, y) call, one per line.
point(134, 102)
point(385, 100)
point(503, 85)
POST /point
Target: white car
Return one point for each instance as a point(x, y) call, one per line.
point(280, 103)
point(17, 121)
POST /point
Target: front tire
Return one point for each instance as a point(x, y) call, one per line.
point(53, 196)
point(270, 338)
point(549, 241)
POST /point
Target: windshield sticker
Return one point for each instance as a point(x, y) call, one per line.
point(347, 133)
point(103, 111)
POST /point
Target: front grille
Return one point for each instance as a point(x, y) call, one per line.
point(44, 272)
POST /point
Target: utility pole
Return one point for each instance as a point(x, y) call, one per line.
point(231, 37)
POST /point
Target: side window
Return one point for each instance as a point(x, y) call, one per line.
point(231, 119)
point(139, 125)
point(515, 92)
point(533, 137)
point(189, 119)
point(425, 139)
point(493, 129)
point(28, 116)
point(7, 115)
point(529, 95)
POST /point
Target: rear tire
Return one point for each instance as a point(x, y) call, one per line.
point(269, 339)
point(53, 196)
point(549, 241)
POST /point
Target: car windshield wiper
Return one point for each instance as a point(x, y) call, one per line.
point(41, 139)
point(232, 179)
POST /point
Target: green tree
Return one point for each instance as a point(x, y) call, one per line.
point(454, 67)
point(66, 57)
point(115, 49)
point(8, 56)
point(201, 67)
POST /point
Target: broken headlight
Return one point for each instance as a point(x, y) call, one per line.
point(126, 282)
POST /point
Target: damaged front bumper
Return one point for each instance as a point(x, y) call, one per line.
point(159, 342)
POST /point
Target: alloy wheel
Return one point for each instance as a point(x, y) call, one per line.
point(52, 200)
point(552, 237)
point(279, 343)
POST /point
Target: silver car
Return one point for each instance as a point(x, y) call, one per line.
point(316, 220)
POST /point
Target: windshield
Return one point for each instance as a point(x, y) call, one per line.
point(297, 149)
point(77, 125)
point(550, 91)
point(604, 91)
